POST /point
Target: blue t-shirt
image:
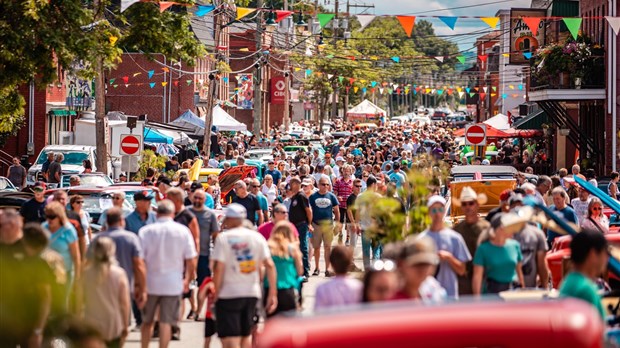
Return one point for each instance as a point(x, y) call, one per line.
point(398, 178)
point(499, 262)
point(209, 202)
point(454, 243)
point(275, 174)
point(568, 214)
point(262, 203)
point(133, 221)
point(322, 206)
point(60, 241)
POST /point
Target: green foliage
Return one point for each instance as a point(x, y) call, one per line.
point(149, 160)
point(11, 112)
point(390, 224)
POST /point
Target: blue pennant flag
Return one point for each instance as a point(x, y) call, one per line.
point(504, 96)
point(449, 21)
point(467, 89)
point(373, 84)
point(204, 9)
point(152, 84)
point(527, 55)
point(396, 59)
point(151, 73)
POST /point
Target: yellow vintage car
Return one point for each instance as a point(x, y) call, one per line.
point(202, 176)
point(492, 188)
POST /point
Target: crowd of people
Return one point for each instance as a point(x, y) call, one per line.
point(144, 265)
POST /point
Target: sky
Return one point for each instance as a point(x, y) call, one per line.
point(442, 8)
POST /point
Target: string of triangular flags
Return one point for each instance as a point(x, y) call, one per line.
point(124, 80)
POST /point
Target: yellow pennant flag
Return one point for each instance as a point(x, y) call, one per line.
point(113, 40)
point(297, 69)
point(243, 11)
point(164, 84)
point(490, 21)
point(428, 90)
point(355, 89)
point(511, 86)
point(506, 55)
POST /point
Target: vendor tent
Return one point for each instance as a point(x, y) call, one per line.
point(179, 138)
point(221, 119)
point(366, 110)
point(499, 121)
point(154, 136)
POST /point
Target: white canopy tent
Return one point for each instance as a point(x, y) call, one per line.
point(221, 119)
point(366, 110)
point(499, 121)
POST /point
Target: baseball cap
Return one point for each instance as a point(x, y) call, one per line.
point(195, 186)
point(435, 199)
point(271, 162)
point(339, 158)
point(164, 180)
point(505, 195)
point(39, 186)
point(306, 182)
point(420, 250)
point(236, 211)
point(142, 196)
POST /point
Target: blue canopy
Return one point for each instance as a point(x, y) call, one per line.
point(151, 135)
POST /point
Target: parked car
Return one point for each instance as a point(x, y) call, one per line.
point(439, 115)
point(457, 121)
point(203, 175)
point(6, 185)
point(87, 179)
point(72, 164)
point(257, 154)
point(13, 199)
point(421, 120)
point(260, 166)
point(98, 199)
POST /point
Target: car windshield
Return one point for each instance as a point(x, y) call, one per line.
point(71, 157)
point(96, 203)
point(6, 185)
point(89, 180)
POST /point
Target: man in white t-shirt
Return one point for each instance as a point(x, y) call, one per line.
point(169, 255)
point(580, 204)
point(239, 254)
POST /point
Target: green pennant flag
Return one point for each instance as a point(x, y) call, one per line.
point(329, 56)
point(461, 59)
point(471, 95)
point(324, 18)
point(494, 89)
point(189, 82)
point(112, 81)
point(573, 25)
point(340, 78)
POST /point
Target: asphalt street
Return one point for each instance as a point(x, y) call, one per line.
point(192, 332)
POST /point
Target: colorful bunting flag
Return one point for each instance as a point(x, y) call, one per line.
point(449, 21)
point(113, 40)
point(115, 86)
point(243, 11)
point(152, 84)
point(511, 86)
point(165, 69)
point(527, 55)
point(573, 25)
point(494, 88)
point(533, 23)
point(461, 59)
point(493, 95)
point(351, 80)
point(504, 96)
point(204, 9)
point(280, 15)
point(308, 72)
point(490, 21)
point(189, 82)
point(471, 95)
point(520, 87)
point(467, 89)
point(506, 55)
point(365, 20)
point(175, 83)
point(164, 83)
point(373, 83)
point(364, 90)
point(136, 74)
point(125, 79)
point(151, 73)
point(483, 57)
point(324, 18)
point(407, 22)
point(340, 78)
point(112, 81)
point(396, 59)
point(126, 86)
point(225, 79)
point(439, 58)
point(482, 95)
point(126, 3)
point(164, 5)
point(614, 23)
point(439, 92)
point(355, 89)
point(485, 89)
point(461, 94)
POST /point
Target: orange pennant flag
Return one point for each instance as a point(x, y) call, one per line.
point(407, 22)
point(533, 23)
point(164, 5)
point(165, 69)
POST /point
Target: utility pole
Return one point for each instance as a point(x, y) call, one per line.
point(335, 87)
point(258, 93)
point(287, 79)
point(213, 87)
point(101, 119)
point(364, 6)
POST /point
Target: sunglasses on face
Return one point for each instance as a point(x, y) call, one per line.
point(438, 210)
point(324, 184)
point(38, 189)
point(79, 202)
point(50, 217)
point(117, 198)
point(597, 208)
point(360, 186)
point(281, 212)
point(256, 186)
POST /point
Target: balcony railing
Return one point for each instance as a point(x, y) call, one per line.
point(565, 81)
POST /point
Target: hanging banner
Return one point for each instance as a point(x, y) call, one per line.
point(245, 97)
point(278, 90)
point(522, 38)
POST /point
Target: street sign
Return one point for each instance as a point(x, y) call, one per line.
point(130, 144)
point(476, 134)
point(278, 90)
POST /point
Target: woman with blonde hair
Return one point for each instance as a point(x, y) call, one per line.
point(105, 292)
point(63, 240)
point(286, 256)
point(595, 220)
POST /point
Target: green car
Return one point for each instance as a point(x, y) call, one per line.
point(260, 166)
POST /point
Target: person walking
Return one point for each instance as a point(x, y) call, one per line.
point(580, 204)
point(341, 290)
point(343, 187)
point(280, 213)
point(118, 199)
point(612, 187)
point(143, 214)
point(169, 254)
point(54, 172)
point(595, 219)
point(209, 229)
point(300, 215)
point(33, 210)
point(105, 290)
point(239, 255)
point(17, 174)
point(353, 227)
point(498, 259)
point(470, 229)
point(364, 203)
point(77, 203)
point(129, 256)
point(451, 247)
point(249, 202)
point(64, 240)
point(561, 209)
point(270, 190)
point(263, 202)
point(286, 257)
point(324, 206)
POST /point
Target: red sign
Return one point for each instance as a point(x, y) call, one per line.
point(278, 90)
point(476, 134)
point(130, 144)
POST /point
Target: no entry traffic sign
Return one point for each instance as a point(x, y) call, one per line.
point(130, 144)
point(476, 134)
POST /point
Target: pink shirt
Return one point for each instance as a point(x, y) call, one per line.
point(266, 228)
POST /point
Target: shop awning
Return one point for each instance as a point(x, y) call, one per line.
point(63, 113)
point(534, 120)
point(152, 135)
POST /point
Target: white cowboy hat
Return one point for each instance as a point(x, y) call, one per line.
point(467, 195)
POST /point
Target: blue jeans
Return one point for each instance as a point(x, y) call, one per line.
point(302, 228)
point(367, 246)
point(203, 269)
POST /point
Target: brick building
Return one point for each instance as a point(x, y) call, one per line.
point(488, 74)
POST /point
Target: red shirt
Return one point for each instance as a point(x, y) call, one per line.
point(343, 189)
